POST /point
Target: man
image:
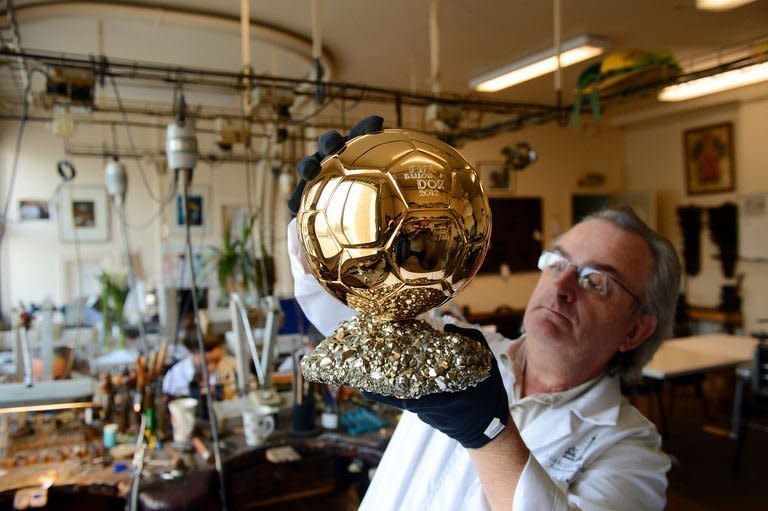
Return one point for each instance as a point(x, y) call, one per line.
point(176, 382)
point(603, 303)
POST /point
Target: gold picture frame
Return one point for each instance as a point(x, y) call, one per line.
point(709, 161)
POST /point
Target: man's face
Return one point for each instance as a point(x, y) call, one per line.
point(580, 326)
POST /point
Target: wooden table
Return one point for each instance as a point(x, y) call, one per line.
point(696, 355)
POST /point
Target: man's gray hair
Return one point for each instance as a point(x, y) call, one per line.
point(661, 291)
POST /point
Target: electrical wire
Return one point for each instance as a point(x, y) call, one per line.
point(138, 467)
point(131, 143)
point(258, 248)
point(201, 344)
point(66, 178)
point(119, 206)
point(163, 202)
point(328, 101)
point(160, 210)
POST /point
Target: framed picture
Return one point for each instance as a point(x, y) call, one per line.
point(198, 204)
point(709, 164)
point(495, 176)
point(83, 214)
point(33, 209)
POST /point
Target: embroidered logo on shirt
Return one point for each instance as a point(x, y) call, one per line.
point(574, 453)
point(564, 466)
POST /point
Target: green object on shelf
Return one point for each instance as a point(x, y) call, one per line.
point(620, 71)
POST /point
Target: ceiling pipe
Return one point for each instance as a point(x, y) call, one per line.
point(434, 46)
point(290, 41)
point(120, 68)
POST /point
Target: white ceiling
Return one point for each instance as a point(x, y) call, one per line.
point(386, 42)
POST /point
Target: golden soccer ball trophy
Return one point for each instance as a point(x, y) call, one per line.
point(395, 225)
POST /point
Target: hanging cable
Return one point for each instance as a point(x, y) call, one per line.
point(138, 467)
point(67, 172)
point(268, 225)
point(317, 51)
point(181, 149)
point(556, 22)
point(161, 200)
point(160, 210)
point(117, 184)
point(200, 342)
point(434, 46)
point(558, 68)
point(258, 245)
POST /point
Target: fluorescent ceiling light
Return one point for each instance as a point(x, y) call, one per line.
point(715, 83)
point(572, 52)
point(720, 5)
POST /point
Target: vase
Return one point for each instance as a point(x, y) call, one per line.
point(118, 327)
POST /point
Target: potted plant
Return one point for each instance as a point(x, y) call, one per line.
point(237, 269)
point(114, 290)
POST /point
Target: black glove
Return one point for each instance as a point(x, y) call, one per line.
point(329, 143)
point(473, 416)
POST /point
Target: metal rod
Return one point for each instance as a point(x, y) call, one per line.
point(185, 182)
point(46, 407)
point(176, 74)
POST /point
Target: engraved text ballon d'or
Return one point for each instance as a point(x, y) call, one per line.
point(393, 226)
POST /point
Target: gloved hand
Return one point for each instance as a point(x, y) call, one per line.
point(473, 416)
point(329, 143)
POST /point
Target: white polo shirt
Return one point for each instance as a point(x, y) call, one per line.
point(590, 449)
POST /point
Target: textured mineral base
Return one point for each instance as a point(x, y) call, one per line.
point(406, 359)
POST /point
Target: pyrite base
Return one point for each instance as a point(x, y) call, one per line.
point(401, 358)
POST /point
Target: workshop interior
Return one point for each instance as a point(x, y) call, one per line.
point(151, 344)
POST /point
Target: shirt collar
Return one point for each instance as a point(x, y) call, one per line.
point(595, 401)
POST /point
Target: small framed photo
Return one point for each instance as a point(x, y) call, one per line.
point(495, 176)
point(83, 214)
point(198, 204)
point(33, 209)
point(709, 163)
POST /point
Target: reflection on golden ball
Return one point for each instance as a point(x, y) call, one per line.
point(395, 224)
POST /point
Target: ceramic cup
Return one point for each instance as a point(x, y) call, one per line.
point(110, 435)
point(258, 423)
point(183, 418)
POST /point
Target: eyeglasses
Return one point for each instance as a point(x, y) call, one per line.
point(590, 278)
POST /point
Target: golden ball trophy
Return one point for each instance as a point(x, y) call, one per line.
point(394, 225)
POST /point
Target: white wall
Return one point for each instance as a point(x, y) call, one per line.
point(644, 154)
point(565, 155)
point(655, 161)
point(34, 260)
